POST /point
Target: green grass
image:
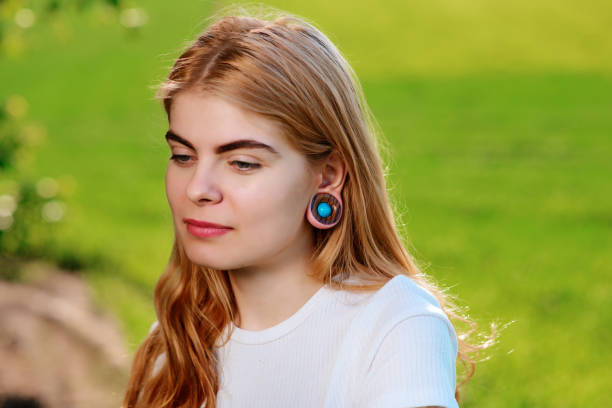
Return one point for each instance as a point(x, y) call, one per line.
point(498, 115)
point(449, 37)
point(503, 183)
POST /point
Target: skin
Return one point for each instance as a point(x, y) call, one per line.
point(266, 253)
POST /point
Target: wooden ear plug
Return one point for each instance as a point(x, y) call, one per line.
point(326, 209)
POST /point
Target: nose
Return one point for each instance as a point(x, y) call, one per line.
point(202, 187)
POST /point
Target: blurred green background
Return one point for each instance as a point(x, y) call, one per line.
point(499, 118)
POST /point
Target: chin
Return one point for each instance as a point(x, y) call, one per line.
point(210, 257)
point(204, 257)
point(207, 254)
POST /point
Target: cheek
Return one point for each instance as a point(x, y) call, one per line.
point(175, 189)
point(275, 204)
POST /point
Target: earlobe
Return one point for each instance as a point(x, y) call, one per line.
point(324, 210)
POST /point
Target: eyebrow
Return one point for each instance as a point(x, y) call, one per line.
point(236, 144)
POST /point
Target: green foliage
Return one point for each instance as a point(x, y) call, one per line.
point(29, 206)
point(30, 231)
point(9, 139)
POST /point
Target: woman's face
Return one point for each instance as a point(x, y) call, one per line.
point(261, 193)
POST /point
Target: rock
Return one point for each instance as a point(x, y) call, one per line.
point(56, 348)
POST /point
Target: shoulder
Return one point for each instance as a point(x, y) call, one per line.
point(160, 360)
point(402, 312)
point(408, 348)
point(401, 291)
point(153, 326)
point(402, 298)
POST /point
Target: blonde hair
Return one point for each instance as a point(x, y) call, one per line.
point(286, 70)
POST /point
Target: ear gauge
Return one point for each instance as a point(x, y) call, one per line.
point(324, 211)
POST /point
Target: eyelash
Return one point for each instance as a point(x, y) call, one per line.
point(176, 157)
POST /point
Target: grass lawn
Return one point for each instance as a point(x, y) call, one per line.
point(499, 119)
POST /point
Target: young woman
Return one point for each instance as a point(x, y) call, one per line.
point(288, 284)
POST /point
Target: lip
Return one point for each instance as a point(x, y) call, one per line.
point(205, 229)
point(205, 224)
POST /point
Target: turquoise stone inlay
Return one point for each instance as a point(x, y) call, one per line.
point(324, 210)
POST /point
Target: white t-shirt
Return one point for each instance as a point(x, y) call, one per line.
point(391, 348)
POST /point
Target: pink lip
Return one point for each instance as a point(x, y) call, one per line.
point(205, 229)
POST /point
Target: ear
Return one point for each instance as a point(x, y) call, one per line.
point(331, 175)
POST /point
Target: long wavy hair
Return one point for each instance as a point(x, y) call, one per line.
point(288, 71)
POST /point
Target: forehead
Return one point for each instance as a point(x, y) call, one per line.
point(207, 120)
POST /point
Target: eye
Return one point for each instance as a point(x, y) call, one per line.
point(244, 166)
point(180, 158)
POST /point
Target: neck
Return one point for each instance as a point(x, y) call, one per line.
point(270, 293)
